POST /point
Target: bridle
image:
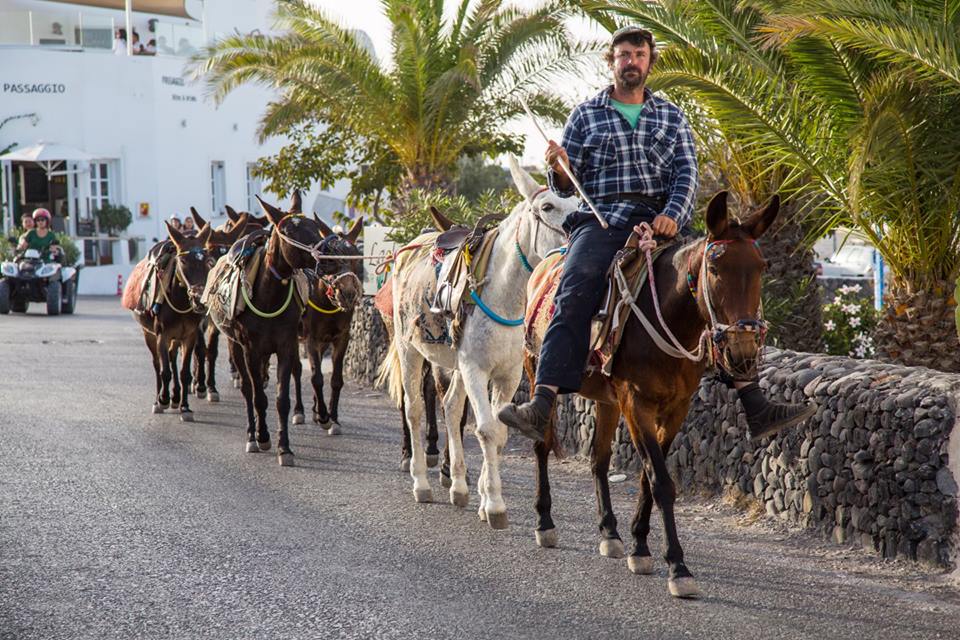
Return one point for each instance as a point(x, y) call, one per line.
point(536, 230)
point(201, 254)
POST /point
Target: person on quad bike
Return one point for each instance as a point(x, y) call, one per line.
point(41, 237)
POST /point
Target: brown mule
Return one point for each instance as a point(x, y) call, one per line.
point(326, 323)
point(653, 390)
point(176, 322)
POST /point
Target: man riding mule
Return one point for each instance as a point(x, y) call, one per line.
point(634, 154)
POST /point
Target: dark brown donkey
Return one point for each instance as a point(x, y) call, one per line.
point(326, 323)
point(268, 323)
point(653, 390)
point(176, 320)
point(205, 352)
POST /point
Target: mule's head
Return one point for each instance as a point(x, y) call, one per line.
point(222, 238)
point(295, 236)
point(341, 279)
point(544, 212)
point(252, 222)
point(192, 261)
point(730, 272)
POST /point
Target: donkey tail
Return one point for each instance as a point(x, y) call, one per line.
point(389, 374)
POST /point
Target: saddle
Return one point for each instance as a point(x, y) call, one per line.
point(237, 268)
point(149, 279)
point(608, 323)
point(463, 269)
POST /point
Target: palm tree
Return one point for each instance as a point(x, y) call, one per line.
point(447, 90)
point(850, 99)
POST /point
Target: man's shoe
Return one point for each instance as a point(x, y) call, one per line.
point(765, 418)
point(530, 418)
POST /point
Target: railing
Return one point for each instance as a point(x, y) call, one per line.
point(74, 30)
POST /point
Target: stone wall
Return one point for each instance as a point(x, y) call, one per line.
point(877, 466)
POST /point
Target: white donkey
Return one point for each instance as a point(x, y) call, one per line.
point(490, 353)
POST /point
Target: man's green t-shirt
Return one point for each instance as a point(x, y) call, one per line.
point(629, 111)
point(34, 241)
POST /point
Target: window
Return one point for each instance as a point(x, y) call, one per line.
point(218, 188)
point(101, 189)
point(253, 189)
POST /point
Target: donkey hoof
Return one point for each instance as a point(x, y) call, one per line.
point(683, 587)
point(334, 429)
point(159, 408)
point(498, 520)
point(298, 418)
point(611, 548)
point(285, 459)
point(186, 416)
point(323, 422)
point(445, 481)
point(432, 459)
point(482, 514)
point(640, 565)
point(423, 495)
point(460, 500)
point(405, 465)
point(213, 396)
point(264, 445)
point(252, 447)
point(546, 539)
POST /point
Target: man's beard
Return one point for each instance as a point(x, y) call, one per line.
point(632, 81)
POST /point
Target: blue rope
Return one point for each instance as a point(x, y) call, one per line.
point(523, 258)
point(492, 314)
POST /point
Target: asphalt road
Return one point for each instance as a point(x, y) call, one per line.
point(116, 523)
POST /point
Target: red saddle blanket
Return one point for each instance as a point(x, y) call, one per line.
point(134, 286)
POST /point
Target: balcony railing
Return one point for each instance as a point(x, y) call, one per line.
point(94, 31)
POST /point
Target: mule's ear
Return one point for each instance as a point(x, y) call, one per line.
point(717, 221)
point(273, 214)
point(355, 230)
point(296, 204)
point(232, 213)
point(239, 228)
point(325, 231)
point(175, 235)
point(760, 222)
point(205, 232)
point(197, 218)
point(440, 221)
point(524, 182)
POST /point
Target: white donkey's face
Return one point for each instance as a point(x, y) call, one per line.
point(545, 210)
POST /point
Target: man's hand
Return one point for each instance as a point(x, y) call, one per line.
point(556, 154)
point(664, 226)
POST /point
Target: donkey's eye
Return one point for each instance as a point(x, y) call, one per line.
point(547, 207)
point(713, 270)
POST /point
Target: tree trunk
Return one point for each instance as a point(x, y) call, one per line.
point(918, 329)
point(791, 295)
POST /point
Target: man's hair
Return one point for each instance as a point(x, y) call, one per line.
point(636, 38)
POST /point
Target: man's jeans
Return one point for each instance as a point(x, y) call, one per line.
point(580, 293)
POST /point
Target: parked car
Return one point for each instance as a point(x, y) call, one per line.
point(850, 261)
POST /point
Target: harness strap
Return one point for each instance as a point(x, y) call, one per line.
point(274, 314)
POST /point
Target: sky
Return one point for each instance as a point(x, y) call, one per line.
point(368, 16)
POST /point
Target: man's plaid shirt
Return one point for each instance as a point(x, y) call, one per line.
point(657, 159)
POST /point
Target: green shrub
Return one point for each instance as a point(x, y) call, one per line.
point(113, 218)
point(848, 324)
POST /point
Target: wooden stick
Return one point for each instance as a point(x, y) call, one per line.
point(566, 167)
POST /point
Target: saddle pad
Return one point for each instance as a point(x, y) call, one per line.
point(134, 286)
point(383, 300)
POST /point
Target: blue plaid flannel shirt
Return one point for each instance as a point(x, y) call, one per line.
point(657, 159)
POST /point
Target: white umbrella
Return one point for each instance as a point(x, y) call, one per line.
point(48, 155)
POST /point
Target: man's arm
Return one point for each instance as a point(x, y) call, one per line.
point(684, 179)
point(572, 143)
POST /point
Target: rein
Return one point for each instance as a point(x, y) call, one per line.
point(715, 333)
point(330, 292)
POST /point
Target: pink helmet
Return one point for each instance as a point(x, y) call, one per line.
point(41, 213)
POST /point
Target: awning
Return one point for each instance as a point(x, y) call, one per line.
point(48, 155)
point(176, 8)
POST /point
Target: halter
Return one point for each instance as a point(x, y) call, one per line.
point(314, 251)
point(717, 333)
point(536, 231)
point(201, 254)
point(331, 289)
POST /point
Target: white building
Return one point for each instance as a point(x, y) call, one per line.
point(158, 144)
